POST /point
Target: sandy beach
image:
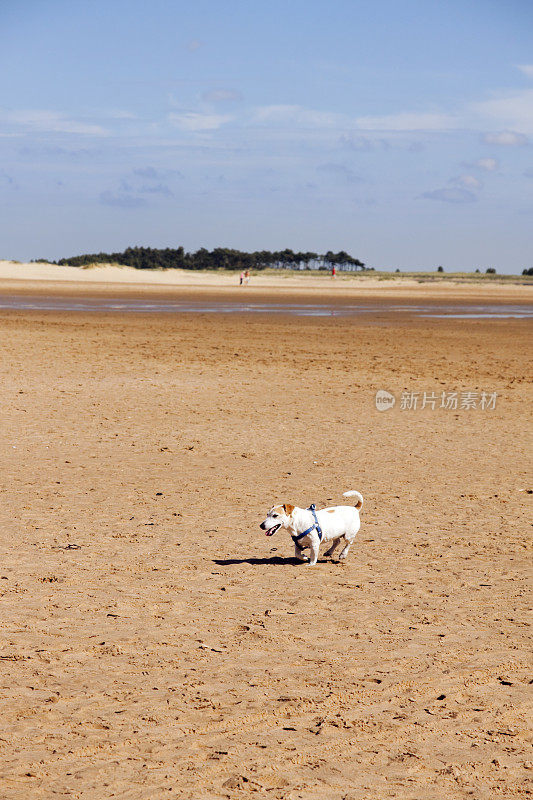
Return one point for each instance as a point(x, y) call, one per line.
point(155, 644)
point(109, 279)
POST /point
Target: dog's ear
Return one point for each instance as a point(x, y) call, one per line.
point(288, 508)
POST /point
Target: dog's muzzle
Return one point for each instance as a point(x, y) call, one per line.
point(271, 531)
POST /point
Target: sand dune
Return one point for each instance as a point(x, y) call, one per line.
point(42, 277)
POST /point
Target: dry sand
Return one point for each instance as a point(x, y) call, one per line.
point(109, 279)
point(155, 644)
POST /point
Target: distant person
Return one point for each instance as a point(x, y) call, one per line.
point(241, 279)
point(247, 277)
point(333, 271)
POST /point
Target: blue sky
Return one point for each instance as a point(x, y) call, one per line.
point(401, 132)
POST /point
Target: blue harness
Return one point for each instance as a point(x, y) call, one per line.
point(314, 526)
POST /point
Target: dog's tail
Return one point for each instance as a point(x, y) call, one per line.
point(353, 493)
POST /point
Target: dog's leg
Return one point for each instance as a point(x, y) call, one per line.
point(298, 554)
point(332, 548)
point(344, 552)
point(315, 547)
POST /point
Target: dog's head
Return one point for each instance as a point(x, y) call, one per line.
point(277, 517)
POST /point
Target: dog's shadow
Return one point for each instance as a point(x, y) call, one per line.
point(256, 562)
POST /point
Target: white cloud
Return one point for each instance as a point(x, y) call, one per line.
point(506, 118)
point(487, 164)
point(407, 121)
point(451, 195)
point(299, 116)
point(506, 139)
point(51, 121)
point(512, 111)
point(195, 121)
point(295, 115)
point(222, 96)
point(462, 189)
point(468, 181)
point(527, 69)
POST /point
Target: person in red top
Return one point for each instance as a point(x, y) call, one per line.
point(333, 271)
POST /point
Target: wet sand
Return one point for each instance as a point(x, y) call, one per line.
point(154, 643)
point(234, 303)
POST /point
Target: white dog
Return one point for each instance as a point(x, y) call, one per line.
point(309, 527)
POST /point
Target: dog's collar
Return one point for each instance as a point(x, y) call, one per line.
point(314, 526)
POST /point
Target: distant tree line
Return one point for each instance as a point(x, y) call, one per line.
point(219, 258)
